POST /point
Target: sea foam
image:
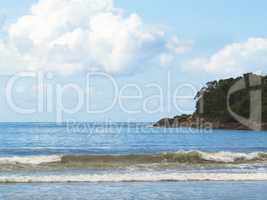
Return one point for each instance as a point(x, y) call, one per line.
point(30, 160)
point(144, 177)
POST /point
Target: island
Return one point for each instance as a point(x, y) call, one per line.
point(235, 103)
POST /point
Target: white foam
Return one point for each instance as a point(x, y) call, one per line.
point(31, 160)
point(229, 157)
point(136, 178)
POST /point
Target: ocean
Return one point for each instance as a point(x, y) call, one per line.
point(130, 161)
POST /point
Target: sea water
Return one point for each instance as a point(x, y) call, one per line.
point(130, 161)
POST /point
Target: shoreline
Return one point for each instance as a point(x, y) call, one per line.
point(190, 121)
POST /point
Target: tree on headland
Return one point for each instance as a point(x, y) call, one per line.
point(212, 99)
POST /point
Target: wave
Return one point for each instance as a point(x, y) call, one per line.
point(30, 160)
point(142, 177)
point(193, 157)
point(187, 157)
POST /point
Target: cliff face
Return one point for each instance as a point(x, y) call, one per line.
point(212, 109)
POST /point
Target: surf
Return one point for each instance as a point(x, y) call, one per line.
point(140, 177)
point(171, 158)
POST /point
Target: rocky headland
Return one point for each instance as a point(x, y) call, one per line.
point(215, 106)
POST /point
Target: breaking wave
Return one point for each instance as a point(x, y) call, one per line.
point(193, 157)
point(30, 160)
point(84, 161)
point(190, 157)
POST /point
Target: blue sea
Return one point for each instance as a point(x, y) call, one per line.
point(98, 161)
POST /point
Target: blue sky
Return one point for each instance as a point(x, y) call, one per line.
point(203, 40)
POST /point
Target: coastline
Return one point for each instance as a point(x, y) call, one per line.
point(191, 121)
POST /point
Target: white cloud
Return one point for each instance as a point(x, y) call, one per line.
point(67, 36)
point(179, 46)
point(166, 58)
point(174, 47)
point(235, 59)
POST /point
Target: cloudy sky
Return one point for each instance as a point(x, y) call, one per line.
point(154, 54)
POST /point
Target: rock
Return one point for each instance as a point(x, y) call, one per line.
point(165, 123)
point(192, 121)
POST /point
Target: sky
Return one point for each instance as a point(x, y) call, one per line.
point(122, 60)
